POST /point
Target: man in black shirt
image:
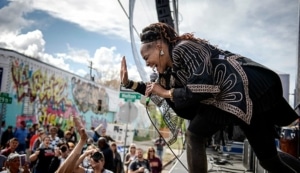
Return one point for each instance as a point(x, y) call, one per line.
point(107, 152)
point(139, 164)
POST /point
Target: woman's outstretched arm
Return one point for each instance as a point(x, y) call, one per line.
point(68, 165)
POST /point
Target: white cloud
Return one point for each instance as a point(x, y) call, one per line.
point(11, 17)
point(97, 16)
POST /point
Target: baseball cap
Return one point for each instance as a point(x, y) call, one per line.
point(11, 156)
point(41, 130)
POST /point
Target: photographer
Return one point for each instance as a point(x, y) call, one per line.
point(139, 165)
point(61, 153)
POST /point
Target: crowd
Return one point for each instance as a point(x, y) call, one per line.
point(51, 150)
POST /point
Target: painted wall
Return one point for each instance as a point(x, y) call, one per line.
point(46, 95)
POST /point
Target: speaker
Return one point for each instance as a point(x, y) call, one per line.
point(164, 12)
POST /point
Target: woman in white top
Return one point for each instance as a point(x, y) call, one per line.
point(130, 156)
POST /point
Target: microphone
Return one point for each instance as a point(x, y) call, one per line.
point(153, 78)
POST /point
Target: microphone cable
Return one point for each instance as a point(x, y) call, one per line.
point(177, 158)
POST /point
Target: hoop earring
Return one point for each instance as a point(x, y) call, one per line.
point(161, 52)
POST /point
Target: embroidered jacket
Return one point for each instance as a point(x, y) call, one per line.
point(204, 73)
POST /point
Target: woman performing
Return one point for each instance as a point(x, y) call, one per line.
point(214, 88)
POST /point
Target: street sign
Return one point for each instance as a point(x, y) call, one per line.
point(4, 98)
point(130, 97)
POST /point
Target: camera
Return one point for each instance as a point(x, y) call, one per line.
point(63, 148)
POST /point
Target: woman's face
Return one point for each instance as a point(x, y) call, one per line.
point(113, 147)
point(151, 54)
point(151, 151)
point(132, 150)
point(46, 141)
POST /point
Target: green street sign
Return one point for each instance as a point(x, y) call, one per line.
point(4, 98)
point(130, 97)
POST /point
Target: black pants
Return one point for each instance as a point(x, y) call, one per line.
point(260, 134)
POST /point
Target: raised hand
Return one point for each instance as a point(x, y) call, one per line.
point(80, 128)
point(123, 72)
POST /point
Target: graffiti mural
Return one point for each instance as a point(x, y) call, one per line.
point(48, 96)
point(87, 96)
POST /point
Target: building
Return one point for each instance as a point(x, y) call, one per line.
point(47, 95)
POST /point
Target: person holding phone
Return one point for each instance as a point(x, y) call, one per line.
point(42, 156)
point(13, 164)
point(61, 153)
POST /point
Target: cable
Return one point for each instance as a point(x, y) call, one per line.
point(137, 33)
point(166, 141)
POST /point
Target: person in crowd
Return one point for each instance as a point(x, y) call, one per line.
point(97, 158)
point(31, 133)
point(67, 137)
point(71, 145)
point(36, 140)
point(2, 162)
point(118, 165)
point(54, 139)
point(13, 165)
point(89, 142)
point(61, 153)
point(47, 129)
point(86, 161)
point(43, 156)
point(154, 161)
point(107, 152)
point(130, 156)
point(60, 132)
point(214, 88)
point(106, 136)
point(12, 147)
point(160, 143)
point(6, 136)
point(3, 125)
point(21, 134)
point(35, 127)
point(96, 130)
point(100, 131)
point(73, 134)
point(139, 164)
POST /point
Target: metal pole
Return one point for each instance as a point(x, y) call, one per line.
point(128, 120)
point(175, 8)
point(297, 90)
point(1, 119)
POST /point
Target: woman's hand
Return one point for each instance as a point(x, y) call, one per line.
point(80, 128)
point(155, 88)
point(123, 72)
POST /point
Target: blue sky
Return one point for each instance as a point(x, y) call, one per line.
point(71, 33)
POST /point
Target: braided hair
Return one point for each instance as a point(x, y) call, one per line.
point(157, 31)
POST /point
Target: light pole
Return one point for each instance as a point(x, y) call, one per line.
point(126, 129)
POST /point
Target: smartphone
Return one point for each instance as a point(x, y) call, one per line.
point(23, 159)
